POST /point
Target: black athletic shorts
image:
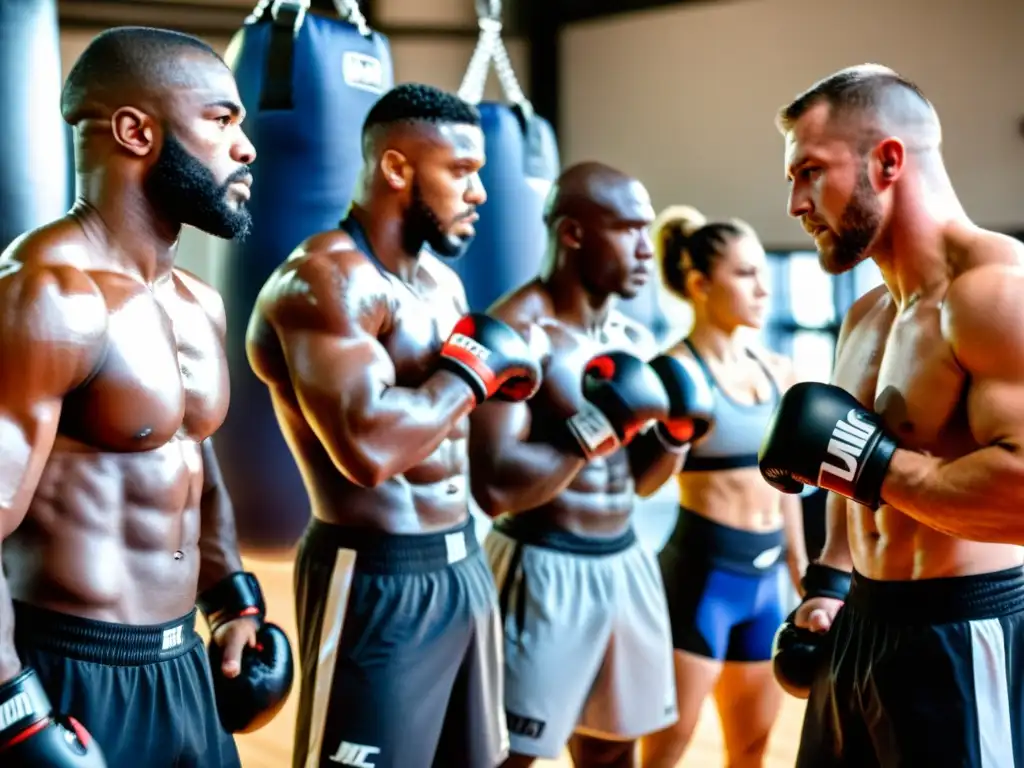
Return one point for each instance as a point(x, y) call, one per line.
point(400, 650)
point(143, 693)
point(922, 674)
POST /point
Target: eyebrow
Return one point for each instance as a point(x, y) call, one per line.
point(231, 106)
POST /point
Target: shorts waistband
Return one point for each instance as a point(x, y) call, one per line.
point(938, 601)
point(102, 642)
point(721, 546)
point(392, 553)
point(538, 531)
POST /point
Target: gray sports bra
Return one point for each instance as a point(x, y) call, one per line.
point(739, 427)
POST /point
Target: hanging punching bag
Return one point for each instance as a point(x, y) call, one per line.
point(34, 166)
point(522, 161)
point(307, 80)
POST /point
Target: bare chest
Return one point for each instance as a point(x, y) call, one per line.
point(163, 373)
point(420, 322)
point(904, 369)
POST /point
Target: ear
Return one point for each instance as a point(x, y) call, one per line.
point(696, 284)
point(570, 234)
point(890, 156)
point(134, 130)
point(396, 170)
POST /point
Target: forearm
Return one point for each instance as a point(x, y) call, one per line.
point(836, 551)
point(978, 496)
point(653, 463)
point(10, 664)
point(793, 525)
point(521, 476)
point(218, 539)
point(400, 429)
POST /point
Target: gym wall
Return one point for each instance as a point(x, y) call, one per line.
point(685, 97)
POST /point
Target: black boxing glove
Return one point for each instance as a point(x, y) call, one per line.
point(820, 435)
point(798, 653)
point(253, 698)
point(31, 736)
point(492, 358)
point(621, 393)
point(690, 402)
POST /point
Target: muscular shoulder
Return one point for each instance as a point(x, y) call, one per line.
point(529, 311)
point(53, 323)
point(206, 296)
point(983, 319)
point(326, 284)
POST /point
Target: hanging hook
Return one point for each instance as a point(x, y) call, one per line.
point(488, 9)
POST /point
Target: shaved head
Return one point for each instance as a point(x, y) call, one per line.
point(589, 188)
point(131, 66)
point(869, 102)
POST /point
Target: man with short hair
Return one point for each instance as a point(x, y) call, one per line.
point(374, 363)
point(911, 660)
point(113, 380)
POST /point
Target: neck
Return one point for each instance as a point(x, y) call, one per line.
point(573, 303)
point(383, 227)
point(911, 254)
point(716, 342)
point(115, 213)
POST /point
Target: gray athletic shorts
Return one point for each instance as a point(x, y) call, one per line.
point(588, 643)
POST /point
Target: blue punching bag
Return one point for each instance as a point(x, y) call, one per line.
point(34, 167)
point(307, 79)
point(522, 162)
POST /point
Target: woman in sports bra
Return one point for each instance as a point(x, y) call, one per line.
point(724, 564)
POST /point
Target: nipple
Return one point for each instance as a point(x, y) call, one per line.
point(178, 554)
point(144, 433)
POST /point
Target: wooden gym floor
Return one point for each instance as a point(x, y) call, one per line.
point(271, 746)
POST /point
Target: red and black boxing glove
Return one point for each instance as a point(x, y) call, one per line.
point(32, 736)
point(621, 394)
point(252, 699)
point(492, 358)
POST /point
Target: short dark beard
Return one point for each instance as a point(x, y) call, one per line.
point(185, 191)
point(858, 227)
point(422, 226)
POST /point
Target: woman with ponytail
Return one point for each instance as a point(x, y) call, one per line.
point(724, 562)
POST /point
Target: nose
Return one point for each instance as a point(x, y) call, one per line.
point(243, 151)
point(799, 203)
point(760, 289)
point(645, 246)
point(475, 192)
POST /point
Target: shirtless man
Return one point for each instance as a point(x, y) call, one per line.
point(113, 379)
point(588, 645)
point(920, 441)
point(398, 616)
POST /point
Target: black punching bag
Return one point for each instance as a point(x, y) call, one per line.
point(34, 170)
point(307, 81)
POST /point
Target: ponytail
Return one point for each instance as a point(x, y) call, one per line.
point(671, 232)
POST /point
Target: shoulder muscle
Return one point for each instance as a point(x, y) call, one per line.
point(983, 321)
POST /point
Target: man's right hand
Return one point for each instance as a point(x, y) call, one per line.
point(492, 358)
point(621, 394)
point(31, 735)
point(801, 644)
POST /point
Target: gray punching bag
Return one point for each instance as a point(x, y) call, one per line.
point(34, 168)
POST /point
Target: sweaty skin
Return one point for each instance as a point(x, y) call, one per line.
point(109, 389)
point(519, 459)
point(349, 349)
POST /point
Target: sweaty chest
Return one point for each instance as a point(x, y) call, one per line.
point(904, 369)
point(420, 322)
point(163, 373)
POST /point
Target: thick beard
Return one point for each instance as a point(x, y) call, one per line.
point(858, 228)
point(184, 190)
point(422, 226)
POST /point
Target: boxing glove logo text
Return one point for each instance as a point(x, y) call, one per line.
point(475, 348)
point(14, 709)
point(847, 443)
point(355, 755)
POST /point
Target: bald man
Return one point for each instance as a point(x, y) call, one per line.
point(113, 379)
point(588, 647)
point(908, 642)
